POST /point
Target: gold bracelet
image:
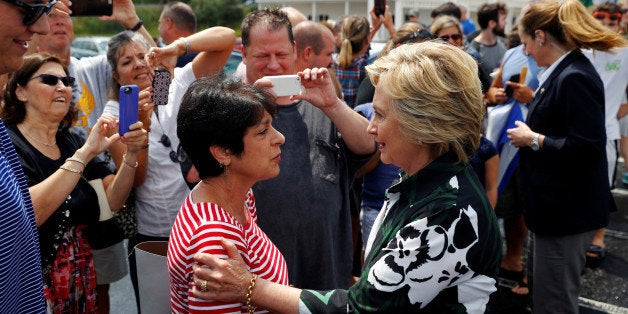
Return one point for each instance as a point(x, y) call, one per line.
point(71, 169)
point(249, 293)
point(127, 163)
point(76, 159)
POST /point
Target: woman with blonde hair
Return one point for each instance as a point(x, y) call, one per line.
point(435, 246)
point(564, 130)
point(353, 56)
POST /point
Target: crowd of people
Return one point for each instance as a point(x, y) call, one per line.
point(377, 188)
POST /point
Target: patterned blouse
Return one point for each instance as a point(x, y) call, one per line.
point(435, 248)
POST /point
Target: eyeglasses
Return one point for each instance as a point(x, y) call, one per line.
point(176, 157)
point(600, 15)
point(455, 37)
point(33, 11)
point(421, 34)
point(52, 80)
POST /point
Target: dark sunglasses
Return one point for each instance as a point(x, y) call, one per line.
point(176, 157)
point(421, 34)
point(454, 37)
point(602, 15)
point(33, 11)
point(52, 80)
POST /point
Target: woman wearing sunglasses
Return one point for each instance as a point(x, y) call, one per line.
point(58, 166)
point(448, 29)
point(159, 197)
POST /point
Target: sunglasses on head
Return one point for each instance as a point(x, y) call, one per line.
point(52, 80)
point(454, 37)
point(602, 15)
point(421, 34)
point(32, 11)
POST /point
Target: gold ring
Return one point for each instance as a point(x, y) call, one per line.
point(204, 286)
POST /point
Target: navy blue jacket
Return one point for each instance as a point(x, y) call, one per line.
point(565, 184)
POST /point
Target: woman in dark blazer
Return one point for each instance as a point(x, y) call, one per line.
point(563, 155)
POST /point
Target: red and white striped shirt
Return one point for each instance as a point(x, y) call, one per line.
point(198, 228)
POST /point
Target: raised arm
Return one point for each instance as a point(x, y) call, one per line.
point(213, 44)
point(319, 91)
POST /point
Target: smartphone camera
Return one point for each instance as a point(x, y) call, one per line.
point(508, 90)
point(127, 90)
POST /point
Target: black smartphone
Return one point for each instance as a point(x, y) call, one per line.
point(161, 86)
point(513, 78)
point(129, 99)
point(380, 7)
point(91, 7)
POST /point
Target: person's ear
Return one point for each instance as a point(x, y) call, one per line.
point(306, 53)
point(221, 154)
point(20, 93)
point(116, 76)
point(492, 24)
point(539, 36)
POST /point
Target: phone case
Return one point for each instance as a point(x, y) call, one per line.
point(380, 7)
point(129, 98)
point(92, 7)
point(161, 85)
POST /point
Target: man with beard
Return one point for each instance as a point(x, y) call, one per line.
point(487, 46)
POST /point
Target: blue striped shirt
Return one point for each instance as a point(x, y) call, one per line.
point(21, 285)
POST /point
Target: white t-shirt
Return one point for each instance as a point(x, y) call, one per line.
point(159, 199)
point(613, 70)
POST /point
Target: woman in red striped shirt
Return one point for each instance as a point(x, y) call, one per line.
point(225, 128)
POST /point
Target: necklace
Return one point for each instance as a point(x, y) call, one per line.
point(38, 140)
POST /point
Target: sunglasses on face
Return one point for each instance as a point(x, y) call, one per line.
point(32, 11)
point(53, 80)
point(421, 34)
point(454, 37)
point(602, 15)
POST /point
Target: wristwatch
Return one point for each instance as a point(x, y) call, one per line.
point(535, 142)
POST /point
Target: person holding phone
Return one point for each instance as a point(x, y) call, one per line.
point(58, 165)
point(435, 246)
point(133, 62)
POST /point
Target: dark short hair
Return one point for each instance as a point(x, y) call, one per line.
point(181, 15)
point(14, 110)
point(609, 7)
point(274, 19)
point(447, 8)
point(219, 111)
point(490, 12)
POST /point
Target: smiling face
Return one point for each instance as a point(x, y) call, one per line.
point(261, 155)
point(45, 101)
point(14, 35)
point(269, 53)
point(131, 67)
point(394, 146)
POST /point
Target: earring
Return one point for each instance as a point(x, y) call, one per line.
point(225, 173)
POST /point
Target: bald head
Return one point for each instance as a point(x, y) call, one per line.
point(295, 16)
point(315, 45)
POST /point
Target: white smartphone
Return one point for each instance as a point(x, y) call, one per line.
point(286, 85)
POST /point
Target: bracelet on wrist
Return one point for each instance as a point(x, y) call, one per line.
point(127, 163)
point(186, 42)
point(70, 169)
point(137, 26)
point(249, 292)
point(76, 159)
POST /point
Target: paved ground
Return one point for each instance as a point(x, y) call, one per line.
point(605, 289)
